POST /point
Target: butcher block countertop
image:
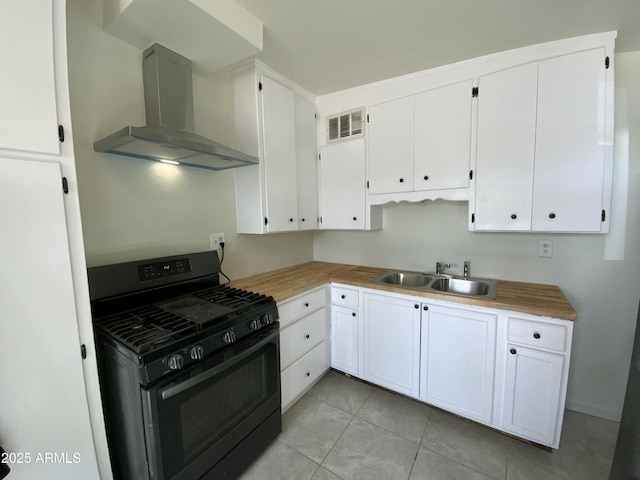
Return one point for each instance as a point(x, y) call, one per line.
point(532, 298)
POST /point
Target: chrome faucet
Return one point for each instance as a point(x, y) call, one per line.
point(467, 267)
point(441, 266)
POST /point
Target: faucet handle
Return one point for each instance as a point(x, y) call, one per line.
point(467, 269)
point(441, 266)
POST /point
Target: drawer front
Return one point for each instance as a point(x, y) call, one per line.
point(537, 334)
point(301, 374)
point(347, 297)
point(301, 336)
point(300, 306)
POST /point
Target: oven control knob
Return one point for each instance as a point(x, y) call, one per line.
point(175, 361)
point(229, 337)
point(196, 353)
point(255, 324)
point(267, 318)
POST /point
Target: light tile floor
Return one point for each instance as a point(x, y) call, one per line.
point(343, 429)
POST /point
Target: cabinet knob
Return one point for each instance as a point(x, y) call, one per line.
point(536, 335)
point(513, 351)
point(291, 219)
point(355, 218)
point(552, 215)
point(353, 314)
point(308, 374)
point(416, 306)
point(425, 308)
point(307, 336)
point(514, 216)
point(343, 296)
point(306, 304)
point(426, 177)
point(303, 219)
point(402, 180)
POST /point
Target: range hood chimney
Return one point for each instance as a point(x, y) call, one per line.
point(169, 134)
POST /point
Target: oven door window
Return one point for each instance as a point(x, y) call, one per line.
point(198, 418)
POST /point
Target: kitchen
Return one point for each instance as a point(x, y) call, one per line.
point(134, 209)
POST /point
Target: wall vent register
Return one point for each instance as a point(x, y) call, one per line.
point(345, 126)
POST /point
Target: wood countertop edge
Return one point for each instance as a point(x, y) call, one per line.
point(519, 297)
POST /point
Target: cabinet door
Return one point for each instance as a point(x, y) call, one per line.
point(306, 164)
point(392, 343)
point(443, 137)
point(532, 393)
point(342, 185)
point(29, 120)
point(279, 143)
point(345, 338)
point(570, 143)
point(391, 146)
point(505, 151)
point(457, 361)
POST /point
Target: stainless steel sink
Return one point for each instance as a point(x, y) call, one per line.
point(440, 283)
point(408, 279)
point(461, 286)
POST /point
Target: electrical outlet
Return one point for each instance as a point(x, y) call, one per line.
point(215, 239)
point(545, 248)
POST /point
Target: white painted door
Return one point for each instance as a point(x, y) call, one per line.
point(570, 143)
point(29, 119)
point(392, 343)
point(532, 393)
point(443, 137)
point(279, 137)
point(391, 149)
point(306, 164)
point(457, 361)
point(43, 405)
point(342, 185)
point(505, 150)
point(345, 338)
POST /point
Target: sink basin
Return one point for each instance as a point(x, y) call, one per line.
point(408, 279)
point(439, 283)
point(461, 286)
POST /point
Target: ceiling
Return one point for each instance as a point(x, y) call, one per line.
point(330, 45)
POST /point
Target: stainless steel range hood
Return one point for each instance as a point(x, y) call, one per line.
point(169, 134)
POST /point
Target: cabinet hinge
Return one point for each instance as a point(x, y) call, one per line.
point(367, 183)
point(470, 174)
point(367, 118)
point(83, 351)
point(473, 218)
point(65, 185)
point(259, 86)
point(606, 62)
point(266, 221)
point(603, 216)
point(474, 92)
point(315, 115)
point(61, 133)
point(320, 218)
point(319, 157)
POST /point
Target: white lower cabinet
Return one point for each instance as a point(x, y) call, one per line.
point(537, 364)
point(304, 345)
point(500, 368)
point(392, 342)
point(457, 361)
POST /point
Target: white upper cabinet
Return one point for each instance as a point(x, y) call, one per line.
point(443, 137)
point(391, 146)
point(274, 119)
point(421, 142)
point(306, 165)
point(541, 148)
point(342, 185)
point(570, 143)
point(505, 151)
point(29, 120)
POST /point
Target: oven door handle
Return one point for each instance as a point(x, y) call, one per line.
point(192, 382)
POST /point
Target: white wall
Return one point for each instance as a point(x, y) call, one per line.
point(133, 209)
point(605, 293)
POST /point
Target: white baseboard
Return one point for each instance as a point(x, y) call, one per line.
point(594, 410)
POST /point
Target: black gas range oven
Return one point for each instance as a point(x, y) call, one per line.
point(189, 369)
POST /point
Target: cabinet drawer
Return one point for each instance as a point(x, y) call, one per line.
point(302, 373)
point(300, 306)
point(347, 297)
point(537, 334)
point(301, 336)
